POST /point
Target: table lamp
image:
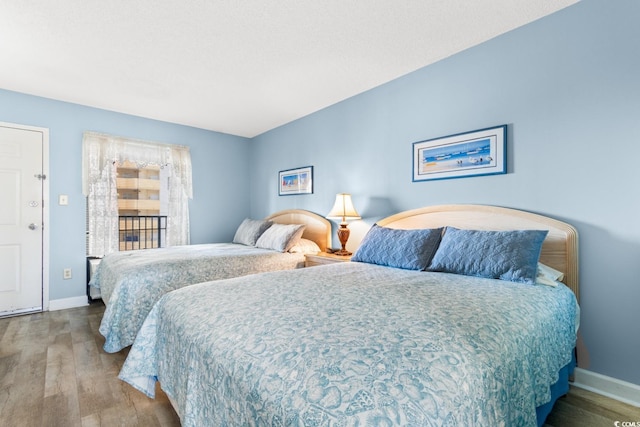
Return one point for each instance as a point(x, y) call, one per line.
point(343, 209)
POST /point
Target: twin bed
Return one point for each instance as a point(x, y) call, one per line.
point(368, 343)
point(131, 282)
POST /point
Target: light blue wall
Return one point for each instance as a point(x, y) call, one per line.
point(568, 86)
point(216, 208)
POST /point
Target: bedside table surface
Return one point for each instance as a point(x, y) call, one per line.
point(321, 258)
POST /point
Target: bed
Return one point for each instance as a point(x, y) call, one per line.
point(131, 282)
point(363, 343)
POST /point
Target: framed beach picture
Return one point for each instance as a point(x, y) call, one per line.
point(479, 152)
point(296, 181)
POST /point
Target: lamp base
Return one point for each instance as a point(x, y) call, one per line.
point(343, 235)
point(341, 252)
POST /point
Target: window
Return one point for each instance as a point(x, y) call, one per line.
point(142, 206)
point(137, 193)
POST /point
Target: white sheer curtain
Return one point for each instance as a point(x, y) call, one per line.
point(101, 154)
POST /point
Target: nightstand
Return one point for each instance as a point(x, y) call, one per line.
point(322, 258)
point(92, 265)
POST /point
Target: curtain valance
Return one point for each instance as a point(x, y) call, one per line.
point(100, 150)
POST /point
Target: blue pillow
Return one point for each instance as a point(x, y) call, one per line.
point(505, 255)
point(408, 249)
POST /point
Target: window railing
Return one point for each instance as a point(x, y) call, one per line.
point(142, 232)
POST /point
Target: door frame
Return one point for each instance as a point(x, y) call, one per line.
point(45, 206)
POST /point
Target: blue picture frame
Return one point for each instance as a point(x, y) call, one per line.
point(295, 181)
point(475, 153)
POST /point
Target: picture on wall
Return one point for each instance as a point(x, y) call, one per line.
point(479, 152)
point(296, 181)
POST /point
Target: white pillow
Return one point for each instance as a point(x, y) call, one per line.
point(548, 276)
point(305, 246)
point(280, 237)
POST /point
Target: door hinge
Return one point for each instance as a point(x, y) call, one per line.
point(40, 176)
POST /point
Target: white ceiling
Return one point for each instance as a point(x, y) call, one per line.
point(236, 66)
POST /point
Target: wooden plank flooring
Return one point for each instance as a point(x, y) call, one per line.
point(53, 372)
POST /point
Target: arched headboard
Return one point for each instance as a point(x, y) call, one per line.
point(318, 228)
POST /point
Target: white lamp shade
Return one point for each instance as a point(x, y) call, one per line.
point(343, 208)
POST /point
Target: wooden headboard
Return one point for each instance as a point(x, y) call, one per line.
point(559, 250)
point(318, 228)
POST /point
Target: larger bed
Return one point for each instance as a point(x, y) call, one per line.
point(356, 344)
point(131, 282)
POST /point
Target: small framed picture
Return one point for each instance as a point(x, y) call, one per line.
point(479, 152)
point(295, 181)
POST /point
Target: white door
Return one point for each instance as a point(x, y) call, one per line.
point(21, 218)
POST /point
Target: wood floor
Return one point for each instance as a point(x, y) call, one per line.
point(53, 372)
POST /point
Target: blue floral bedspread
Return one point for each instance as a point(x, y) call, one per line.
point(354, 344)
point(131, 282)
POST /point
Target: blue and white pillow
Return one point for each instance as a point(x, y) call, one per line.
point(408, 249)
point(250, 230)
point(505, 255)
point(281, 237)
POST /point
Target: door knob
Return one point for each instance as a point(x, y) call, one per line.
point(32, 226)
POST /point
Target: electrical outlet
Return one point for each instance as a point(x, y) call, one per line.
point(66, 273)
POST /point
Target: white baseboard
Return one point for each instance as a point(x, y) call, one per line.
point(607, 386)
point(64, 303)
